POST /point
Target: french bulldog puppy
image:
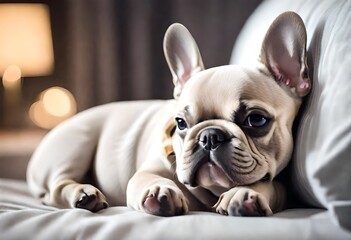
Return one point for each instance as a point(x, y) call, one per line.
point(216, 146)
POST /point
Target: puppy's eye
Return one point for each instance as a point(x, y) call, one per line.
point(181, 124)
point(256, 120)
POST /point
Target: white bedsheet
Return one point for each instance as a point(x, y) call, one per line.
point(23, 217)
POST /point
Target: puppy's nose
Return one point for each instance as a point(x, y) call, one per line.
point(211, 138)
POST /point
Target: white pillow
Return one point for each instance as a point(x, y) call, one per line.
point(322, 156)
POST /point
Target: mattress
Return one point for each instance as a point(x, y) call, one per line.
point(23, 217)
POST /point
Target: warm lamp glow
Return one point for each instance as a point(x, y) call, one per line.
point(12, 77)
point(12, 81)
point(25, 39)
point(40, 117)
point(58, 101)
point(55, 105)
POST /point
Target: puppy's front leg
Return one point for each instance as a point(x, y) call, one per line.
point(157, 195)
point(70, 194)
point(259, 199)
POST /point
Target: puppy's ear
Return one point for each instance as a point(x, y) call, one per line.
point(182, 55)
point(284, 53)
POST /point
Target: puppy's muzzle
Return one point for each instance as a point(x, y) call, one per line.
point(208, 160)
point(211, 138)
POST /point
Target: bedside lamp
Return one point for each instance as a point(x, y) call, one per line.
point(26, 50)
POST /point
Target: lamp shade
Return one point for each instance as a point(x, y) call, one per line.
point(26, 39)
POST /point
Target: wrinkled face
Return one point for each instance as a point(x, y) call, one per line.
point(233, 128)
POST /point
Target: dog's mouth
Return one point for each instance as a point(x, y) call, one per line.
point(207, 173)
point(210, 174)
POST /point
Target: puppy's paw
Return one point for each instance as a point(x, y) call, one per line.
point(164, 201)
point(90, 198)
point(242, 201)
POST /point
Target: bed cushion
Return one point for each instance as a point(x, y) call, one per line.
point(21, 216)
point(322, 158)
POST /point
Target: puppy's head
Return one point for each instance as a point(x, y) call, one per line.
point(234, 122)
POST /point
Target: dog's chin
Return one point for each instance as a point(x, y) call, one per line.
point(210, 175)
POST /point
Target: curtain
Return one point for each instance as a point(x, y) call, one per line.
point(112, 50)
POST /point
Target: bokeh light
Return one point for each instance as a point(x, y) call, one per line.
point(12, 77)
point(58, 102)
point(55, 105)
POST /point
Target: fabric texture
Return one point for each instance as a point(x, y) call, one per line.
point(322, 159)
point(23, 217)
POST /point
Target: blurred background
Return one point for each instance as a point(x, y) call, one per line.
point(60, 57)
point(98, 51)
